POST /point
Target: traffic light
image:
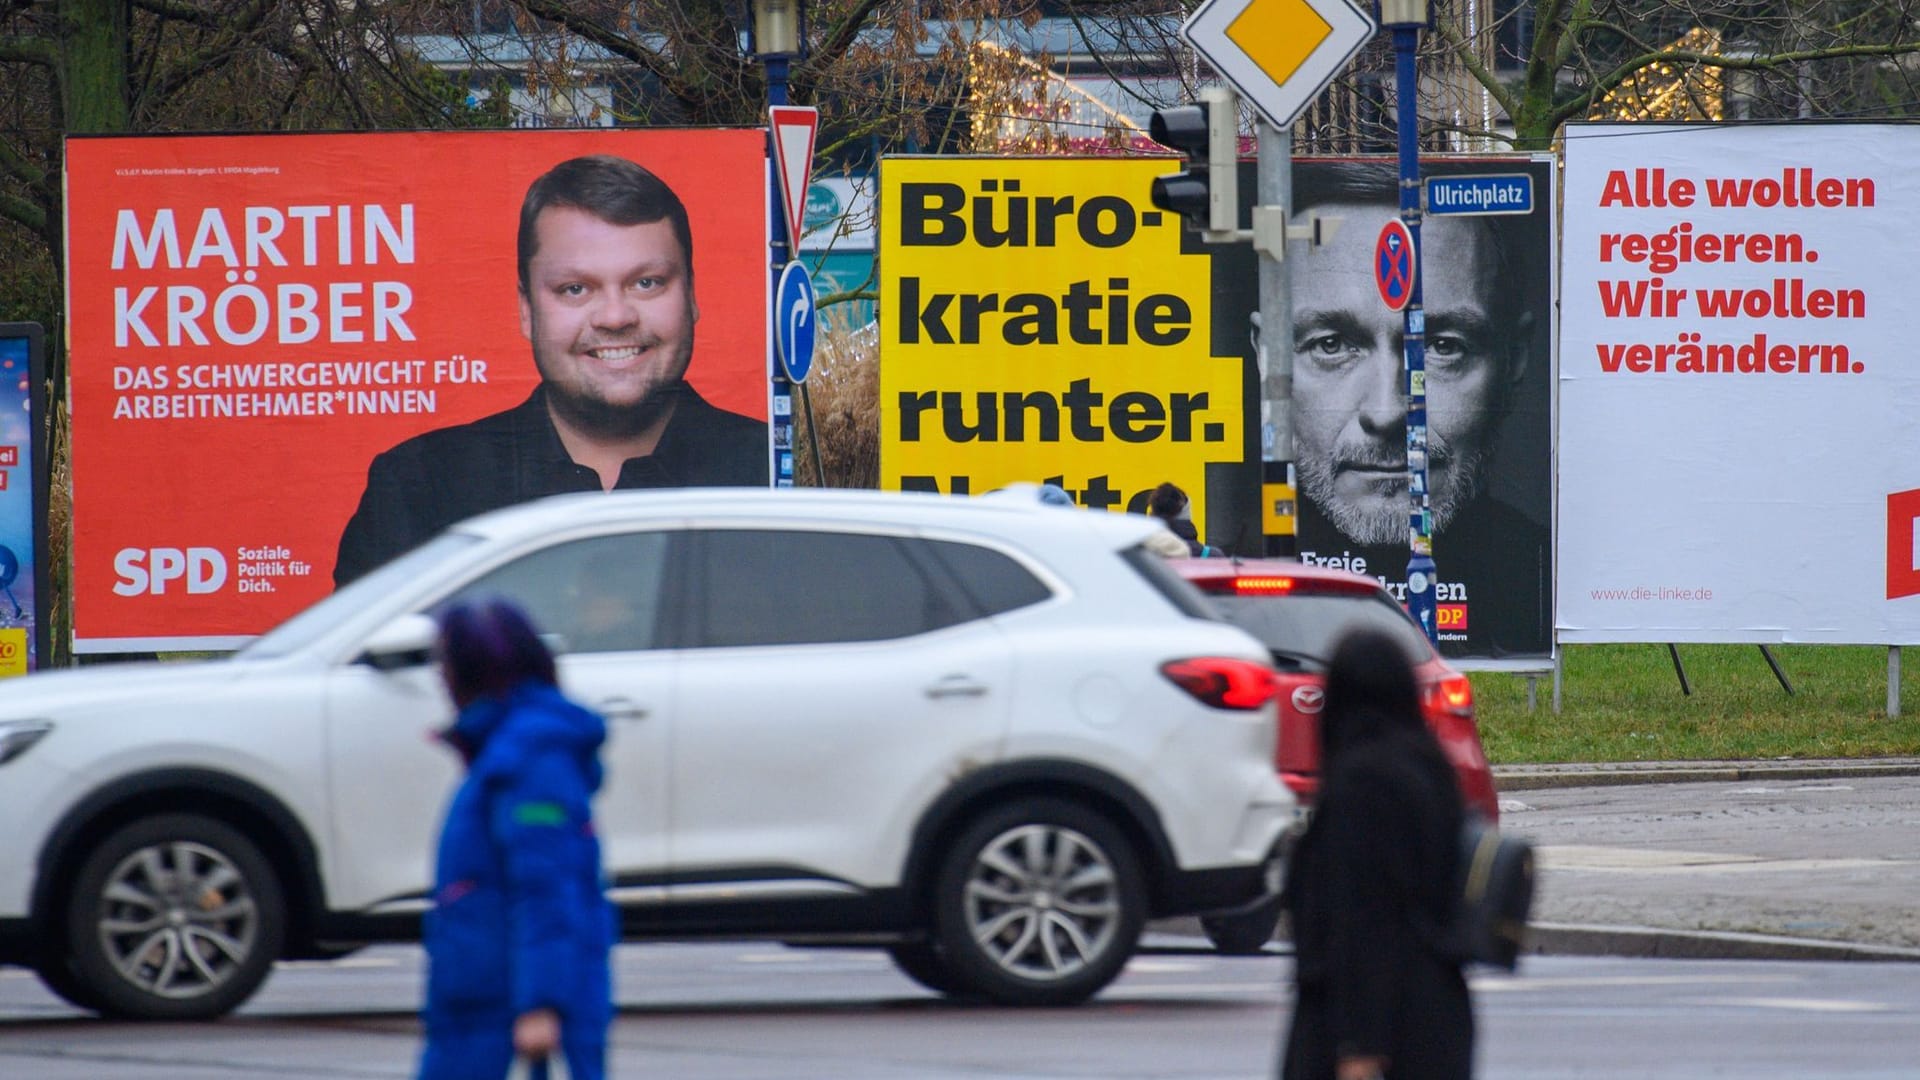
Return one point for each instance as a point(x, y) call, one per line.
point(1207, 192)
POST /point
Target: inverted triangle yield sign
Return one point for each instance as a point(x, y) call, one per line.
point(794, 127)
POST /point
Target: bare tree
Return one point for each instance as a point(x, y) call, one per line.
point(1687, 59)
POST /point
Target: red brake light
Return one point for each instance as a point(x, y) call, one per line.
point(1222, 682)
point(1453, 694)
point(1283, 585)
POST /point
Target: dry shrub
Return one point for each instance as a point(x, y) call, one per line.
point(845, 390)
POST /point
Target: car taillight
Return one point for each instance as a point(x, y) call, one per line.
point(1223, 682)
point(1453, 694)
point(1263, 586)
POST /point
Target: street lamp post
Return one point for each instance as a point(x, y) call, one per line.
point(1406, 18)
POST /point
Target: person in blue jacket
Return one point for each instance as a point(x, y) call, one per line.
point(519, 937)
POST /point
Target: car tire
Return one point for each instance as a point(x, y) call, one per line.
point(922, 962)
point(1038, 902)
point(174, 917)
point(1245, 933)
point(57, 974)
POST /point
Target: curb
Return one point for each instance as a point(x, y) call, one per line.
point(1182, 937)
point(1536, 777)
point(1567, 939)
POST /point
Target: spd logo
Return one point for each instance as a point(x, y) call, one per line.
point(152, 570)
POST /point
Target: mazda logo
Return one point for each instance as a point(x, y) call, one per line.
point(1308, 699)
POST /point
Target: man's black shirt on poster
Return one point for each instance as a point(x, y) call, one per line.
point(437, 478)
point(1498, 555)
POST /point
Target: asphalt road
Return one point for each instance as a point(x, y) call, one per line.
point(764, 1012)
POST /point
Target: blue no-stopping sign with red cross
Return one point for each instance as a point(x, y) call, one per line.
point(1393, 264)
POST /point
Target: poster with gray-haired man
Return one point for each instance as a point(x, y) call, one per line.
point(1488, 299)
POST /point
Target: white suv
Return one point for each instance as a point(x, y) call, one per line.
point(994, 736)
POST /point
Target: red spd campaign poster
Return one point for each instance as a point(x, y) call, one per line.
point(294, 356)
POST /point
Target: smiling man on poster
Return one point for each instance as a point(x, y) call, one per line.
point(606, 299)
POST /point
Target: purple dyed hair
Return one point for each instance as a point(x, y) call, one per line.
point(488, 648)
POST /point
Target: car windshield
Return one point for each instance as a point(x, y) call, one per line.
point(1306, 627)
point(315, 622)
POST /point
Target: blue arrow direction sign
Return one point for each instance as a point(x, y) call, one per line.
point(1508, 193)
point(794, 320)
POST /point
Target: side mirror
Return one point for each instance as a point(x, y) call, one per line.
point(405, 642)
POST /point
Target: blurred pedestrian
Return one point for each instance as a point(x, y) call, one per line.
point(1055, 495)
point(1378, 991)
point(1175, 511)
point(519, 936)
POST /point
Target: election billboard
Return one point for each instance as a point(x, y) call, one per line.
point(1041, 321)
point(1739, 459)
point(293, 357)
point(1487, 297)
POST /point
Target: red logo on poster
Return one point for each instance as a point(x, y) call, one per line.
point(1903, 578)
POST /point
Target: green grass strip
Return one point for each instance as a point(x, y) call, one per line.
point(1623, 703)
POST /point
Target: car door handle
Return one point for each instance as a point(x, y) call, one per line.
point(620, 708)
point(956, 686)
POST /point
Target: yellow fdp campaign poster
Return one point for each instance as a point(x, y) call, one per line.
point(1039, 322)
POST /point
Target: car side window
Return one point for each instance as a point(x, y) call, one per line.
point(996, 581)
point(600, 594)
point(797, 587)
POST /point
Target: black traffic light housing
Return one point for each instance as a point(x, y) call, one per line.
point(1207, 193)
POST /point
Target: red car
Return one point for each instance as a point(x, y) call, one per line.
point(1300, 612)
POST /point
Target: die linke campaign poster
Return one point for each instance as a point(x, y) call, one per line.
point(254, 319)
point(1739, 448)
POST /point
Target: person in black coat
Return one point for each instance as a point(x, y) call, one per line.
point(1378, 993)
point(1170, 505)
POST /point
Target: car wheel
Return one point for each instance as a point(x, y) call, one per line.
point(1038, 903)
point(1245, 933)
point(175, 917)
point(922, 962)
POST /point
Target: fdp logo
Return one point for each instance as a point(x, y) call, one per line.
point(1450, 617)
point(1903, 577)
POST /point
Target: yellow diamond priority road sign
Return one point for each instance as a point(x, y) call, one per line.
point(1279, 54)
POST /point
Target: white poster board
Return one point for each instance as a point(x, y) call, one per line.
point(1739, 451)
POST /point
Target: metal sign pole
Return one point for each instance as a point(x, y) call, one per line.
point(1405, 18)
point(1274, 350)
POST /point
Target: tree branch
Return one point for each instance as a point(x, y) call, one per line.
point(233, 34)
point(615, 42)
point(841, 38)
point(20, 168)
point(25, 213)
point(186, 13)
point(1770, 62)
point(28, 51)
point(1463, 52)
point(1562, 37)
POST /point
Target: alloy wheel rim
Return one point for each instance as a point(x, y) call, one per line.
point(1043, 902)
point(177, 919)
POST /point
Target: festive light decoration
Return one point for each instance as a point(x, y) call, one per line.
point(1020, 107)
point(1681, 90)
